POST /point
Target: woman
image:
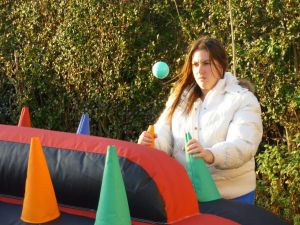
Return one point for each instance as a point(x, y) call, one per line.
point(223, 117)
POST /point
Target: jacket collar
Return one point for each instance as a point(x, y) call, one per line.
point(225, 84)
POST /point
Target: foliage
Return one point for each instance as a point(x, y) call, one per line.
point(63, 58)
point(279, 178)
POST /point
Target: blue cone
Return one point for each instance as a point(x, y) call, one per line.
point(84, 125)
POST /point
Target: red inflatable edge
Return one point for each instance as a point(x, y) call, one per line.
point(180, 200)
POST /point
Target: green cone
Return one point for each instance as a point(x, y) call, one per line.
point(113, 205)
point(205, 187)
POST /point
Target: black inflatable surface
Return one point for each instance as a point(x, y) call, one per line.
point(10, 215)
point(77, 177)
point(242, 213)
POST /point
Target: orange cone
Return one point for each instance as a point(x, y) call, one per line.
point(151, 131)
point(24, 120)
point(40, 203)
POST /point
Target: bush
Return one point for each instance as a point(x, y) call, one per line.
point(88, 56)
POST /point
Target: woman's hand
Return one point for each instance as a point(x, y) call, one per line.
point(193, 147)
point(145, 139)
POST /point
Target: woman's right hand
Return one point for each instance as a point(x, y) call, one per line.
point(145, 139)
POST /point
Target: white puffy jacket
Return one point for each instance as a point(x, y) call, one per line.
point(228, 123)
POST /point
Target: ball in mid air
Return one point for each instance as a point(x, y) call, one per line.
point(160, 70)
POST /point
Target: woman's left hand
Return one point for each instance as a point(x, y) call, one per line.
point(193, 147)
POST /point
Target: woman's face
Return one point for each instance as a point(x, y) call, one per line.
point(205, 72)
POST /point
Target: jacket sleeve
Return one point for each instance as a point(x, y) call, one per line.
point(243, 137)
point(163, 131)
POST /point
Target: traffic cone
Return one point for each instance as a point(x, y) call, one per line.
point(40, 205)
point(24, 120)
point(151, 131)
point(84, 125)
point(113, 206)
point(204, 185)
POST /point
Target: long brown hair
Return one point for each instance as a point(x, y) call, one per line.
point(185, 79)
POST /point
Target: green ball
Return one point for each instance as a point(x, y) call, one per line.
point(160, 70)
